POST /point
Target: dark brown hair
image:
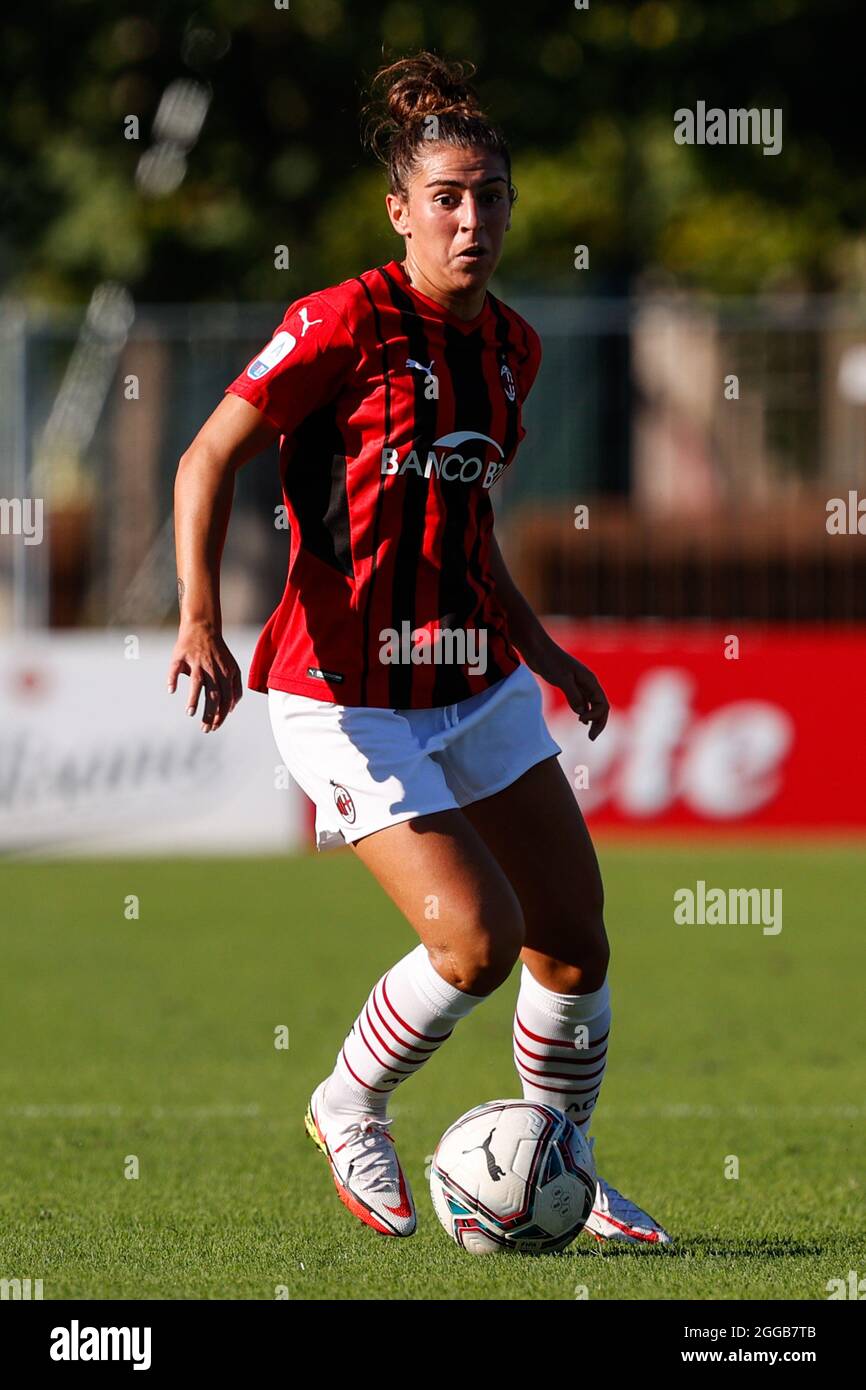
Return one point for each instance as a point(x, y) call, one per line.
point(398, 125)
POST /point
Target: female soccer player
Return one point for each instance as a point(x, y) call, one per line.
point(397, 664)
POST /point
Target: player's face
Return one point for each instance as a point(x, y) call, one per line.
point(457, 215)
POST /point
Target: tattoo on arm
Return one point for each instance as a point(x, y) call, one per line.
point(181, 590)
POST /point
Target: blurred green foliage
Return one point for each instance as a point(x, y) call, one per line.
point(585, 97)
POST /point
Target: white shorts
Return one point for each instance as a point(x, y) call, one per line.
point(366, 768)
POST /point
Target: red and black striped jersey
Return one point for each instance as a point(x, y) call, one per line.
point(396, 417)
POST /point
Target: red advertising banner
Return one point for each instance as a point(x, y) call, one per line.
point(749, 727)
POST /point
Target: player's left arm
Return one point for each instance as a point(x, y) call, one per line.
point(577, 682)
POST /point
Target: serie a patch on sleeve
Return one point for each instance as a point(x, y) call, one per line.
point(279, 347)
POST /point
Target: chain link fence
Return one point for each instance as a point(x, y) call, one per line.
point(679, 460)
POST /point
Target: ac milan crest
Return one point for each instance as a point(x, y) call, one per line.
point(508, 381)
point(344, 803)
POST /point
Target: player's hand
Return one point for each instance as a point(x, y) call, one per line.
point(578, 684)
point(201, 654)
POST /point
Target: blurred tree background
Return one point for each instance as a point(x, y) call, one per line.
point(585, 97)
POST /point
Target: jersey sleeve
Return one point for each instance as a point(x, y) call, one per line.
point(302, 367)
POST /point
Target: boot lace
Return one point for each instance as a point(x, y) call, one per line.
point(370, 1157)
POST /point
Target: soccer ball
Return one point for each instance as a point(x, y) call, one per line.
point(513, 1175)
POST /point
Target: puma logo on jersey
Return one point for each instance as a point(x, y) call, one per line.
point(428, 371)
point(307, 322)
point(321, 675)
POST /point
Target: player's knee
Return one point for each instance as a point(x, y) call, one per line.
point(579, 964)
point(485, 975)
point(591, 948)
point(488, 955)
point(588, 973)
point(593, 955)
point(565, 977)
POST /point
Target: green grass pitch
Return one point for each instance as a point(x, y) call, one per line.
point(154, 1038)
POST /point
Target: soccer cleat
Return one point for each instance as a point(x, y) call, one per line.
point(614, 1217)
point(364, 1166)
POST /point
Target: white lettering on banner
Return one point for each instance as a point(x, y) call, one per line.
point(722, 765)
point(133, 776)
point(735, 758)
point(657, 722)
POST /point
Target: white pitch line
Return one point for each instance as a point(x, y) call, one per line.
point(733, 1112)
point(605, 1112)
point(154, 1112)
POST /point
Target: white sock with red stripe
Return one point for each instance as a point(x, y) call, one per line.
point(409, 1014)
point(560, 1046)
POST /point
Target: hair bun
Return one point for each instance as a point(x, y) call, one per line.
point(428, 86)
point(416, 87)
point(406, 95)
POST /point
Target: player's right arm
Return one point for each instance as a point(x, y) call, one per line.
point(203, 492)
point(304, 364)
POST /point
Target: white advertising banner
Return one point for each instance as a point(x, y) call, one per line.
point(96, 757)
